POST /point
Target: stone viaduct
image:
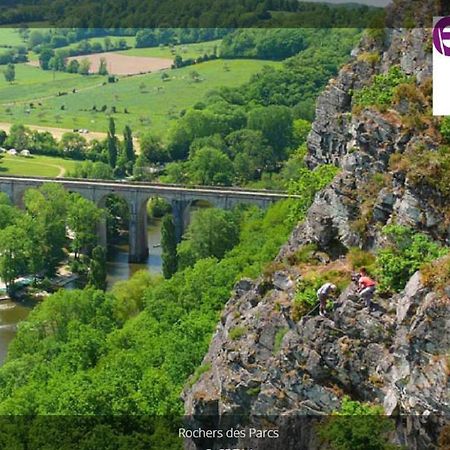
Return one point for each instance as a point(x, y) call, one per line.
point(137, 194)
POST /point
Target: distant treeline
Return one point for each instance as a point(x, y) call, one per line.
point(187, 13)
point(152, 37)
point(113, 39)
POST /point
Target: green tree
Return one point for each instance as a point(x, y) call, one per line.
point(129, 295)
point(275, 123)
point(34, 245)
point(84, 67)
point(212, 232)
point(73, 145)
point(175, 172)
point(251, 152)
point(35, 38)
point(107, 44)
point(45, 56)
point(152, 149)
point(44, 143)
point(58, 62)
point(211, 167)
point(94, 170)
point(112, 143)
point(13, 258)
point(10, 73)
point(48, 207)
point(97, 268)
point(19, 137)
point(169, 246)
point(82, 218)
point(301, 129)
point(73, 66)
point(103, 67)
point(8, 213)
point(129, 147)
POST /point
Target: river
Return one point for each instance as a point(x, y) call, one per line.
point(118, 268)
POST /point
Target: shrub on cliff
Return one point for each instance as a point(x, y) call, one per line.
point(380, 92)
point(404, 255)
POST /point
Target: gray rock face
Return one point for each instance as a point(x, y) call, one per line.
point(334, 134)
point(267, 369)
point(276, 368)
point(361, 145)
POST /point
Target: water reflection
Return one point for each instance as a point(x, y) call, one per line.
point(11, 313)
point(118, 267)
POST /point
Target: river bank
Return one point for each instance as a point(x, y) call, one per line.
point(118, 269)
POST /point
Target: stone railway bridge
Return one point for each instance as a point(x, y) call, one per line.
point(136, 195)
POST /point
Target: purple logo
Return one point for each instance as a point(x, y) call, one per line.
point(440, 35)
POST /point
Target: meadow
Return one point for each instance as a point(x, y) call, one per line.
point(143, 102)
point(35, 165)
point(33, 83)
point(10, 37)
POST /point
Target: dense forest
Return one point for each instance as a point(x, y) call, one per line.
point(188, 14)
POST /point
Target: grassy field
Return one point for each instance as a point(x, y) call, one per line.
point(8, 37)
point(185, 50)
point(151, 103)
point(44, 166)
point(33, 83)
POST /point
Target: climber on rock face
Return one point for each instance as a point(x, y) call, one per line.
point(366, 287)
point(323, 294)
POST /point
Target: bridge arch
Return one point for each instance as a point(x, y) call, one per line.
point(17, 195)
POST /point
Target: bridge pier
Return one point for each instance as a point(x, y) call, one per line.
point(138, 251)
point(180, 211)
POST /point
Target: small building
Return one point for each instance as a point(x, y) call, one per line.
point(25, 153)
point(13, 152)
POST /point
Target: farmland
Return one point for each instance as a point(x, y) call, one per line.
point(118, 64)
point(44, 166)
point(32, 83)
point(149, 101)
point(10, 37)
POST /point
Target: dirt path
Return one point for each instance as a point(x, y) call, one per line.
point(56, 132)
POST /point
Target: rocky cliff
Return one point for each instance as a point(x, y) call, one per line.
point(263, 365)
